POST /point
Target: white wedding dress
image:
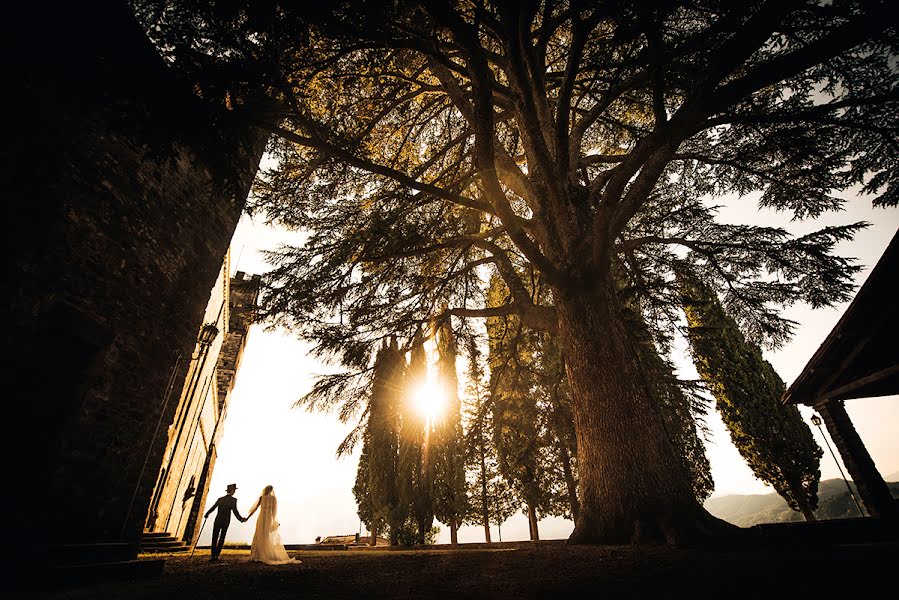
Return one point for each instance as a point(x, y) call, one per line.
point(267, 546)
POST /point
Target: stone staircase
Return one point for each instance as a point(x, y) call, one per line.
point(76, 563)
point(161, 543)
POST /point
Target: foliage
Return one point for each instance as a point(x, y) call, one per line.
point(362, 489)
point(518, 422)
point(386, 113)
point(558, 434)
point(410, 535)
point(771, 436)
point(682, 409)
point(491, 501)
point(376, 490)
point(450, 493)
point(415, 473)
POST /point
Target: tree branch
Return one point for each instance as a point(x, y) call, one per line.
point(366, 165)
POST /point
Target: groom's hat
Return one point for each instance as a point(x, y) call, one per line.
point(231, 486)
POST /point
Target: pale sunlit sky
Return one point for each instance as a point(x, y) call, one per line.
point(265, 441)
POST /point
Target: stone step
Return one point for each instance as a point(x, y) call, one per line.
point(87, 553)
point(65, 575)
point(161, 542)
point(167, 550)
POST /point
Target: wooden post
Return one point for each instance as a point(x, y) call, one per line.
point(871, 487)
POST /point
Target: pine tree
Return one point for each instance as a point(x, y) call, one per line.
point(771, 436)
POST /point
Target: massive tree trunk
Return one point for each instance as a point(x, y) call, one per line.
point(632, 487)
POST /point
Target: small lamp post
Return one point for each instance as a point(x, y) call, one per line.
point(816, 421)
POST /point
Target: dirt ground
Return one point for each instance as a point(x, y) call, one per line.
point(549, 571)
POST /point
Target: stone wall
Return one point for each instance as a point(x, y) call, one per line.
point(243, 297)
point(121, 193)
point(195, 418)
point(182, 485)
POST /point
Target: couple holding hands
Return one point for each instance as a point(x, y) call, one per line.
point(267, 546)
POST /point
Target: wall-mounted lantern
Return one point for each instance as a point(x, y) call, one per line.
point(207, 334)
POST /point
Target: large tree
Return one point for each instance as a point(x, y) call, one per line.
point(422, 142)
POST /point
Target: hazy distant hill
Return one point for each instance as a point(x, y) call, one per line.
point(833, 503)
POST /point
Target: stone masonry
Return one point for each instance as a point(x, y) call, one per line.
point(121, 193)
point(189, 459)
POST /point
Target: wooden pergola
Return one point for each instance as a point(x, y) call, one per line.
point(858, 359)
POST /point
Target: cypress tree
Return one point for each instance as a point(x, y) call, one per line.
point(383, 436)
point(362, 490)
point(772, 437)
point(516, 416)
point(448, 457)
point(416, 474)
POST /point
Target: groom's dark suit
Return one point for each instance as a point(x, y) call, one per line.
point(225, 505)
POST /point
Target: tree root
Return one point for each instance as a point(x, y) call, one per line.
point(689, 528)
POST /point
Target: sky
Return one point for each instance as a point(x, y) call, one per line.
point(266, 441)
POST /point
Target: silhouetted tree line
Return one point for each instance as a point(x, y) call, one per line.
point(517, 447)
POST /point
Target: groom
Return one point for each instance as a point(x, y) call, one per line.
point(225, 505)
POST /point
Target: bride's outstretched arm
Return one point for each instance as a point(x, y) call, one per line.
point(255, 507)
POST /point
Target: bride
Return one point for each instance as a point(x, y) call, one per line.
point(267, 545)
